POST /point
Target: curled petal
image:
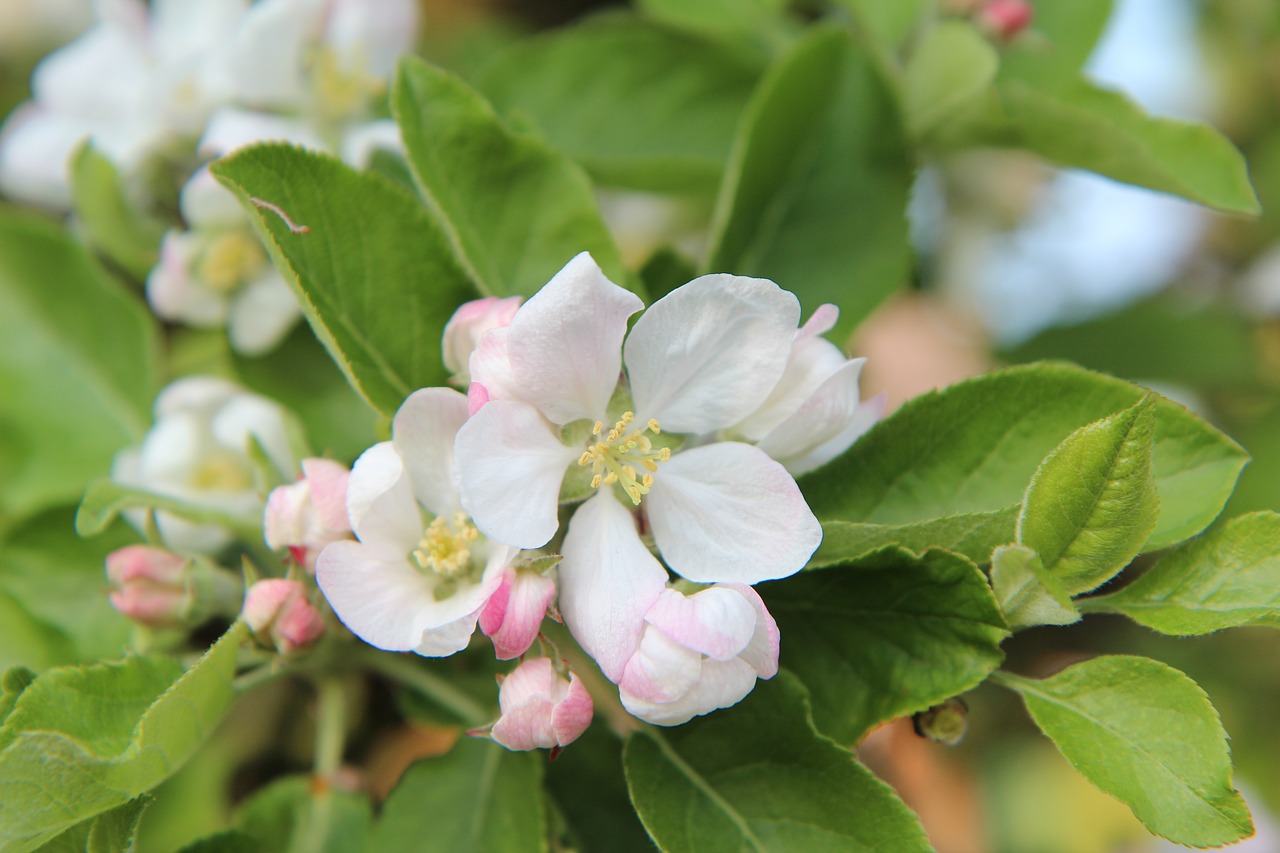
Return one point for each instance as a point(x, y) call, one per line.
point(540, 708)
point(328, 482)
point(717, 622)
point(761, 654)
point(720, 685)
point(662, 670)
point(727, 512)
point(608, 579)
point(707, 354)
point(565, 343)
point(423, 433)
point(822, 418)
point(380, 502)
point(510, 464)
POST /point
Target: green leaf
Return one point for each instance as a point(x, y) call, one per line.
point(1028, 595)
point(231, 841)
point(972, 535)
point(63, 317)
point(1092, 503)
point(973, 447)
point(953, 65)
point(887, 635)
point(1229, 576)
point(15, 680)
point(1085, 126)
point(479, 798)
point(374, 274)
point(1063, 34)
point(27, 640)
point(587, 784)
point(889, 23)
point(815, 193)
point(106, 499)
point(293, 815)
point(758, 777)
point(112, 224)
point(83, 741)
point(1147, 735)
point(638, 105)
point(732, 17)
point(109, 832)
point(515, 209)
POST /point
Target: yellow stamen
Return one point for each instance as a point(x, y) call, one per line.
point(614, 459)
point(445, 548)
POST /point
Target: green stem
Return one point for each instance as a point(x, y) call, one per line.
point(407, 672)
point(331, 710)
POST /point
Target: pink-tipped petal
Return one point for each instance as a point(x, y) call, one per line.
point(721, 684)
point(662, 670)
point(608, 579)
point(717, 622)
point(513, 614)
point(328, 481)
point(565, 342)
point(707, 354)
point(761, 654)
point(540, 708)
point(727, 512)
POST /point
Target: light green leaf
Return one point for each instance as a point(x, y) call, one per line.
point(973, 447)
point(638, 105)
point(515, 209)
point(1063, 33)
point(83, 741)
point(63, 317)
point(1229, 576)
point(758, 778)
point(15, 680)
point(952, 65)
point(1028, 595)
point(106, 499)
point(109, 832)
point(479, 798)
point(1148, 736)
point(374, 274)
point(293, 815)
point(27, 640)
point(815, 193)
point(1085, 126)
point(112, 224)
point(971, 535)
point(889, 23)
point(733, 17)
point(889, 634)
point(1092, 503)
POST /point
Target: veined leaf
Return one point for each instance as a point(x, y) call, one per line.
point(291, 814)
point(973, 535)
point(1028, 595)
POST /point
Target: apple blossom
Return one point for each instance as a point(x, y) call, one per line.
point(278, 613)
point(698, 361)
point(307, 515)
point(468, 325)
point(421, 573)
point(541, 709)
point(699, 653)
point(218, 273)
point(198, 452)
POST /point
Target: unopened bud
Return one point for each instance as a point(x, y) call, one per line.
point(1005, 19)
point(278, 613)
point(307, 515)
point(541, 709)
point(467, 325)
point(944, 723)
point(151, 586)
point(513, 614)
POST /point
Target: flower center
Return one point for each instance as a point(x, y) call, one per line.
point(613, 458)
point(230, 260)
point(221, 472)
point(445, 549)
point(342, 89)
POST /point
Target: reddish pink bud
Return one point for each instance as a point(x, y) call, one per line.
point(277, 611)
point(467, 326)
point(541, 709)
point(1005, 18)
point(151, 586)
point(513, 614)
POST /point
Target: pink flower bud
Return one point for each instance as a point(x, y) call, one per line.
point(277, 611)
point(468, 324)
point(541, 709)
point(309, 514)
point(513, 614)
point(1005, 19)
point(151, 586)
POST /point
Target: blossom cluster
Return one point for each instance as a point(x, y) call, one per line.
point(168, 87)
point(635, 484)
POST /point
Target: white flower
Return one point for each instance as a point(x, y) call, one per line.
point(698, 361)
point(421, 573)
point(699, 653)
point(218, 273)
point(198, 451)
point(135, 83)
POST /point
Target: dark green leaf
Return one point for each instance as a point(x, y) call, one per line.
point(109, 832)
point(889, 634)
point(587, 784)
point(731, 17)
point(375, 275)
point(973, 535)
point(759, 778)
point(293, 815)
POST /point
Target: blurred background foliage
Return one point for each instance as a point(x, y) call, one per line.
point(1014, 261)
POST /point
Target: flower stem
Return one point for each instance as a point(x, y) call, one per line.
point(331, 713)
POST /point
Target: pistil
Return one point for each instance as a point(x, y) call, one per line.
point(614, 455)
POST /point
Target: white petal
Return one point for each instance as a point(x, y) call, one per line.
point(205, 202)
point(264, 64)
point(102, 74)
point(380, 502)
point(360, 142)
point(868, 413)
point(608, 579)
point(813, 360)
point(262, 315)
point(423, 433)
point(327, 482)
point(372, 34)
point(246, 415)
point(727, 512)
point(719, 685)
point(761, 654)
point(822, 417)
point(490, 368)
point(172, 291)
point(195, 393)
point(565, 343)
point(662, 670)
point(717, 622)
point(229, 129)
point(34, 150)
point(707, 354)
point(510, 463)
